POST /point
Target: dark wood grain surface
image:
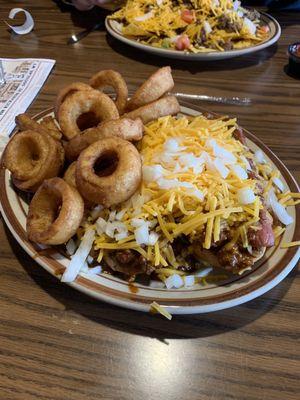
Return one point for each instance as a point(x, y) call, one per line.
point(57, 344)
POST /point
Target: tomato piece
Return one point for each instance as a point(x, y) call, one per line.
point(265, 28)
point(187, 16)
point(182, 42)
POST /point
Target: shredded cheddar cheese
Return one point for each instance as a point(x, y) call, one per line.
point(156, 308)
point(290, 244)
point(193, 175)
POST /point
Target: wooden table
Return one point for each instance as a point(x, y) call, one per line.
point(57, 344)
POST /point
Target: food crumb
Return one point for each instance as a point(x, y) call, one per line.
point(156, 308)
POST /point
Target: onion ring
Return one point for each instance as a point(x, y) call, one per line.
point(160, 108)
point(155, 87)
point(26, 123)
point(82, 102)
point(115, 80)
point(50, 124)
point(65, 92)
point(125, 128)
point(69, 175)
point(54, 197)
point(115, 183)
point(70, 178)
point(31, 158)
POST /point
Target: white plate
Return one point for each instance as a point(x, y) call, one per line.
point(275, 32)
point(274, 267)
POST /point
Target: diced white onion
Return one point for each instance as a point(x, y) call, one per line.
point(79, 257)
point(144, 17)
point(223, 154)
point(167, 158)
point(174, 281)
point(189, 280)
point(211, 143)
point(190, 161)
point(153, 238)
point(278, 182)
point(187, 185)
point(137, 222)
point(175, 183)
point(71, 247)
point(121, 236)
point(112, 215)
point(204, 272)
point(172, 146)
point(259, 157)
point(100, 225)
point(249, 25)
point(110, 229)
point(239, 171)
point(118, 226)
point(142, 234)
point(157, 284)
point(204, 158)
point(159, 2)
point(245, 196)
point(167, 183)
point(95, 270)
point(207, 27)
point(90, 260)
point(198, 168)
point(120, 214)
point(197, 193)
point(279, 210)
point(153, 172)
point(220, 167)
point(185, 159)
point(217, 166)
point(226, 156)
point(96, 211)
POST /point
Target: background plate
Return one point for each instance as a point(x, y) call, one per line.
point(275, 32)
point(276, 264)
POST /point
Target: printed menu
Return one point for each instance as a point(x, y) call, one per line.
point(23, 78)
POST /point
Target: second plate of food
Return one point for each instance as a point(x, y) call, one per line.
point(171, 29)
